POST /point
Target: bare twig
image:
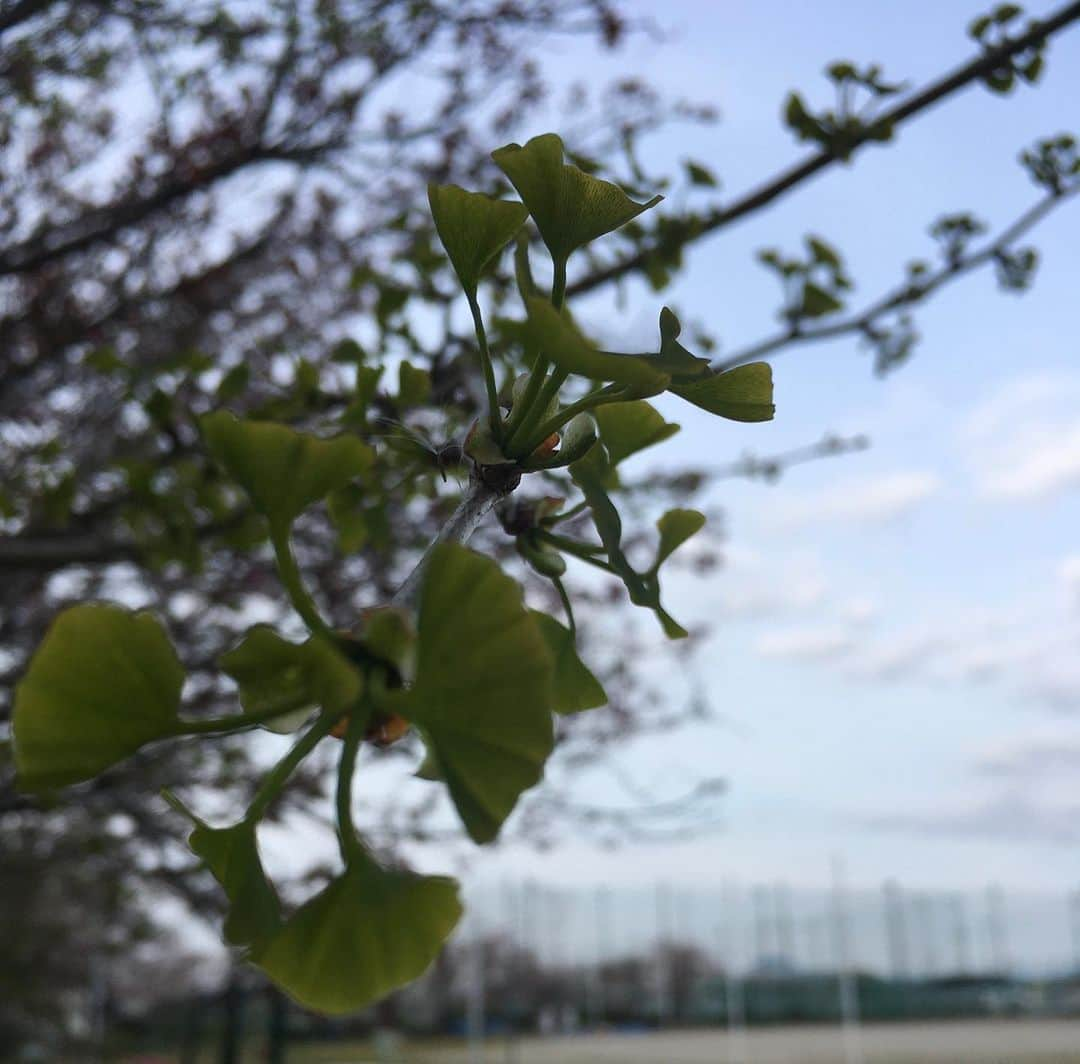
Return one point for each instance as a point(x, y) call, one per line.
point(906, 295)
point(693, 229)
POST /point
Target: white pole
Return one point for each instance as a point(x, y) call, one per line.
point(474, 1012)
point(849, 997)
point(738, 1045)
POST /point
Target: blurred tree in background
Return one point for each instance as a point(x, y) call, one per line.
point(216, 203)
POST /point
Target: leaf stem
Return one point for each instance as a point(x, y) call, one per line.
point(574, 546)
point(565, 598)
point(574, 510)
point(348, 840)
point(240, 720)
point(279, 774)
point(529, 410)
point(527, 428)
point(293, 583)
point(558, 284)
point(521, 408)
point(608, 393)
point(494, 414)
point(582, 551)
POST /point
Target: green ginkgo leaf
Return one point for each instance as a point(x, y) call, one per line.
point(817, 302)
point(269, 671)
point(675, 528)
point(104, 681)
point(575, 687)
point(283, 471)
point(673, 357)
point(741, 394)
point(368, 932)
point(387, 633)
point(591, 475)
point(473, 229)
point(627, 428)
point(232, 855)
point(561, 341)
point(569, 206)
point(482, 695)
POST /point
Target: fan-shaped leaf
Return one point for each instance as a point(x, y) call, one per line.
point(232, 855)
point(569, 206)
point(644, 588)
point(283, 471)
point(673, 358)
point(370, 931)
point(741, 394)
point(561, 341)
point(103, 682)
point(575, 687)
point(482, 695)
point(270, 671)
point(627, 428)
point(676, 527)
point(473, 228)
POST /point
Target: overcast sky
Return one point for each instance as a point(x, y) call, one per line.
point(895, 632)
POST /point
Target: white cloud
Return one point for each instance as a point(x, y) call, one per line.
point(859, 610)
point(755, 587)
point(1037, 464)
point(1053, 684)
point(1024, 441)
point(1006, 817)
point(903, 657)
point(877, 499)
point(1032, 758)
point(806, 644)
point(1070, 575)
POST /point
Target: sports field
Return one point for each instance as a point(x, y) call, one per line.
point(976, 1042)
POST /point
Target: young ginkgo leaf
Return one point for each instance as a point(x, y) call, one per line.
point(104, 681)
point(561, 341)
point(473, 229)
point(741, 394)
point(575, 687)
point(570, 207)
point(283, 471)
point(368, 932)
point(232, 855)
point(270, 670)
point(482, 696)
point(590, 475)
point(673, 357)
point(675, 528)
point(627, 428)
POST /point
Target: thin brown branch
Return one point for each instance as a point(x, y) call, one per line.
point(100, 223)
point(22, 11)
point(44, 553)
point(691, 230)
point(908, 294)
point(769, 467)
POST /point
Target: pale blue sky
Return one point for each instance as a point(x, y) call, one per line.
point(895, 632)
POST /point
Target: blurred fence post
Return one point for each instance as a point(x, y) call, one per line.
point(896, 934)
point(1074, 926)
point(849, 991)
point(474, 1006)
point(232, 1030)
point(277, 1026)
point(738, 1045)
point(192, 1034)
